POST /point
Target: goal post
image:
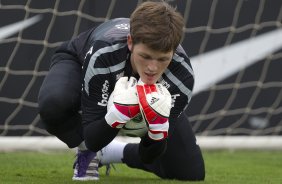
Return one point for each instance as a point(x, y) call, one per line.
point(235, 49)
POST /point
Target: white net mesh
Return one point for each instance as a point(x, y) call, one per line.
point(248, 102)
point(245, 102)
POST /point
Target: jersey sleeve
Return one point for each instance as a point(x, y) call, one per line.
point(182, 75)
point(181, 97)
point(75, 49)
point(96, 85)
point(95, 93)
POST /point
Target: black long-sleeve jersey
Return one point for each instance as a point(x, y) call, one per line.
point(104, 56)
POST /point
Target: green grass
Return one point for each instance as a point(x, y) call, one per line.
point(221, 167)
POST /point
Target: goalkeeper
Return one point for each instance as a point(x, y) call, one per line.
point(148, 72)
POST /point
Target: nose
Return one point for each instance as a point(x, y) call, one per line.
point(152, 65)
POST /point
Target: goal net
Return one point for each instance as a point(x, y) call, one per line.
point(235, 49)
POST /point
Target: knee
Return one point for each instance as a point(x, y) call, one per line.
point(54, 103)
point(195, 170)
point(55, 108)
point(194, 167)
point(197, 173)
point(50, 105)
point(187, 168)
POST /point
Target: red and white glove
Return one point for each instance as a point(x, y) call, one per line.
point(155, 105)
point(125, 103)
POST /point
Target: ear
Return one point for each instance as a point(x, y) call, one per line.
point(129, 42)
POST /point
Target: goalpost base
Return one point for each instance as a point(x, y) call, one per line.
point(49, 143)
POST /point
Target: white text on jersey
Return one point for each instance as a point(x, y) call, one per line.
point(105, 94)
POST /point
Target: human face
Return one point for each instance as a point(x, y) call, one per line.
point(148, 63)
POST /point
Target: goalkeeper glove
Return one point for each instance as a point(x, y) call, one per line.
point(155, 105)
point(125, 103)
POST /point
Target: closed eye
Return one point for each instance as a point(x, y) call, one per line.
point(163, 59)
point(146, 56)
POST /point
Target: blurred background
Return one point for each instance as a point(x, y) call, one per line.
point(237, 92)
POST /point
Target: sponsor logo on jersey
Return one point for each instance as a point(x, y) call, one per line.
point(164, 83)
point(89, 52)
point(105, 94)
point(122, 26)
point(173, 99)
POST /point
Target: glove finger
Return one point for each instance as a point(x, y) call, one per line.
point(121, 83)
point(141, 94)
point(140, 82)
point(162, 90)
point(153, 88)
point(147, 89)
point(140, 91)
point(132, 82)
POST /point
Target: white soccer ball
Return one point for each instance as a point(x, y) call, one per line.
point(136, 127)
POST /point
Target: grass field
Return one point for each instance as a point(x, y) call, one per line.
point(221, 167)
